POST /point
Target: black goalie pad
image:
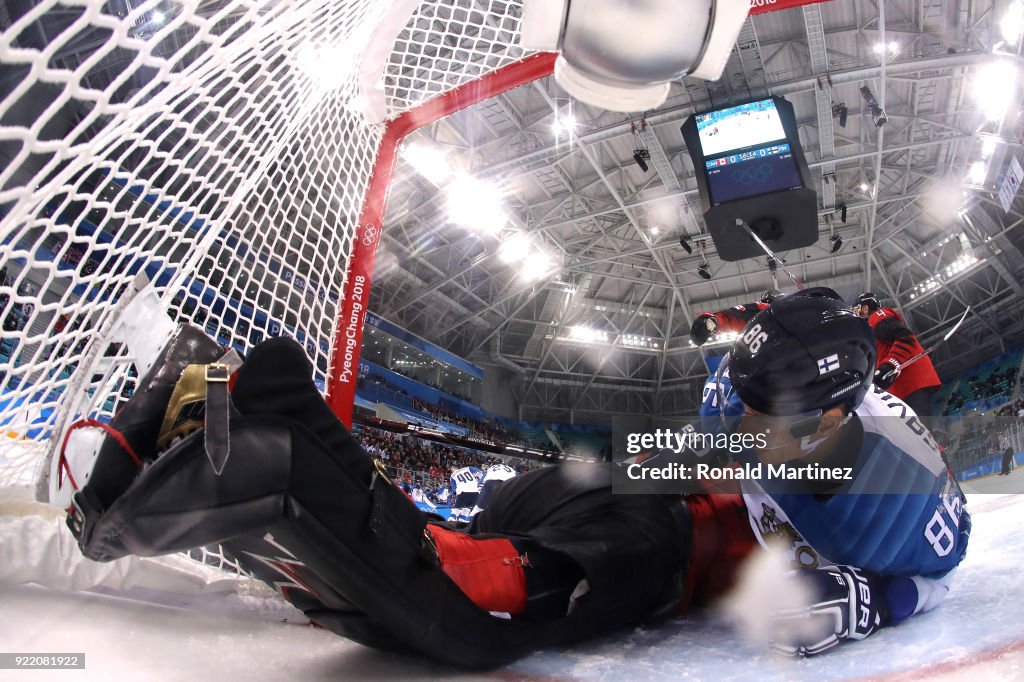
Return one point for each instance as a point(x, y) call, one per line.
point(326, 528)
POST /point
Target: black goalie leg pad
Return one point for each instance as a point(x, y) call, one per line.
point(266, 556)
point(324, 527)
point(363, 537)
point(179, 502)
point(305, 509)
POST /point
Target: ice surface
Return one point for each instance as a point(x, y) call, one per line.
point(976, 634)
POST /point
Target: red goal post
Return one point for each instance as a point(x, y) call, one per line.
point(348, 333)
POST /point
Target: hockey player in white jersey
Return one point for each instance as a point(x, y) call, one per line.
point(881, 540)
point(465, 482)
point(495, 475)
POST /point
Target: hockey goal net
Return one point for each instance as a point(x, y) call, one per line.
point(215, 157)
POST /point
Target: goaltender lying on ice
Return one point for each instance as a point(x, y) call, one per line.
point(254, 459)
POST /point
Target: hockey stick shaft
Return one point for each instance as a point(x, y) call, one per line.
point(927, 351)
point(796, 280)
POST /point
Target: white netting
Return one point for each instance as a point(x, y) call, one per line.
point(218, 146)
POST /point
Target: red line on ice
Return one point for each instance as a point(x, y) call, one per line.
point(946, 667)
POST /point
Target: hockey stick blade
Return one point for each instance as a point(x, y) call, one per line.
point(926, 351)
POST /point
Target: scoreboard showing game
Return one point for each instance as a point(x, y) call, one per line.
point(750, 166)
point(746, 152)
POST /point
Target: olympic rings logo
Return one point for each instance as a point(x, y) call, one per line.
point(748, 176)
point(370, 235)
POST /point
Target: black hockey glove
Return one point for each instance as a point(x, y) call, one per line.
point(703, 327)
point(886, 375)
point(849, 605)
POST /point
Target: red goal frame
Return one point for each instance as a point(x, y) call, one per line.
point(355, 295)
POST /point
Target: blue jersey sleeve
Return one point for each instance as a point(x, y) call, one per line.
point(720, 407)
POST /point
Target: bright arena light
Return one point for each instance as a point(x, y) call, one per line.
point(988, 147)
point(514, 248)
point(429, 160)
point(329, 66)
point(587, 334)
point(475, 205)
point(637, 341)
point(962, 262)
point(1012, 23)
point(564, 125)
point(994, 87)
point(720, 339)
point(976, 173)
point(535, 267)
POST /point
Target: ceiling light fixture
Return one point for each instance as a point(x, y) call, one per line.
point(842, 112)
point(642, 156)
point(994, 88)
point(877, 112)
point(837, 243)
point(640, 152)
point(1012, 23)
point(564, 125)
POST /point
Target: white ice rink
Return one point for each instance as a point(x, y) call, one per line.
point(741, 130)
point(977, 634)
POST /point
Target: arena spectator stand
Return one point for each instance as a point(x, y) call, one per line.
point(583, 442)
point(426, 464)
point(984, 387)
point(979, 408)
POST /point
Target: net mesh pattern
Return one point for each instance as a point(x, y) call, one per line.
point(222, 148)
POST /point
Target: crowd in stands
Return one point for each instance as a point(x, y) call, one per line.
point(986, 387)
point(19, 313)
point(1013, 408)
point(416, 463)
point(486, 430)
point(981, 435)
point(491, 431)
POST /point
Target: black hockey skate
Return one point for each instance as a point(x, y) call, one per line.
point(168, 403)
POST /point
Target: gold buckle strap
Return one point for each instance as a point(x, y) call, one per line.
point(217, 372)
